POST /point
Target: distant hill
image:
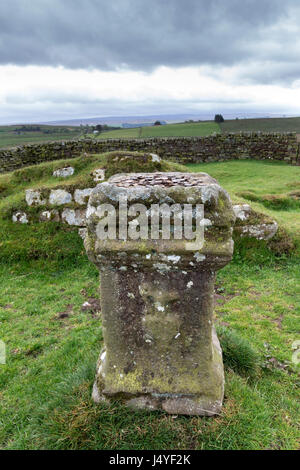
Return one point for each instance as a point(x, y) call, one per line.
point(128, 121)
point(128, 125)
point(118, 121)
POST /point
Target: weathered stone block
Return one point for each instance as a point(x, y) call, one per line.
point(59, 197)
point(253, 224)
point(33, 198)
point(259, 231)
point(160, 347)
point(81, 195)
point(242, 211)
point(64, 172)
point(74, 217)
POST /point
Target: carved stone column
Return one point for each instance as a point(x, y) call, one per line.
point(160, 350)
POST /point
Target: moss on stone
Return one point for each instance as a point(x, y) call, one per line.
point(135, 162)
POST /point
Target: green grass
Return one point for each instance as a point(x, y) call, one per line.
point(262, 125)
point(120, 134)
point(169, 130)
point(9, 138)
point(182, 130)
point(45, 387)
point(259, 178)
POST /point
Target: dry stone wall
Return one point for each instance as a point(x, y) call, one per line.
point(219, 147)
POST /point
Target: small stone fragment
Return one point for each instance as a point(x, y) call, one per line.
point(20, 217)
point(155, 158)
point(92, 305)
point(52, 215)
point(98, 174)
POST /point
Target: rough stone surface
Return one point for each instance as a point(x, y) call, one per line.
point(33, 198)
point(20, 217)
point(260, 231)
point(81, 195)
point(242, 211)
point(74, 217)
point(64, 172)
point(160, 349)
point(59, 197)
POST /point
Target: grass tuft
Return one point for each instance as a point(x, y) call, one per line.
point(238, 353)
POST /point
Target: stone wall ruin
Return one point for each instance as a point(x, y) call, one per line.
point(219, 147)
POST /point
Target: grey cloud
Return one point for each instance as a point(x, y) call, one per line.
point(144, 34)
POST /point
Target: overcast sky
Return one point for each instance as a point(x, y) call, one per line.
point(83, 58)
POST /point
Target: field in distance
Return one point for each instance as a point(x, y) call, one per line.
point(12, 136)
point(195, 129)
point(205, 128)
point(262, 125)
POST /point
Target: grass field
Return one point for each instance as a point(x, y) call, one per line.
point(10, 138)
point(209, 127)
point(52, 345)
point(170, 130)
point(121, 133)
point(262, 125)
